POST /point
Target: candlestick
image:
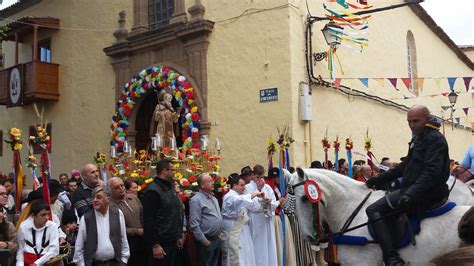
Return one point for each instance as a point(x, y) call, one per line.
point(126, 148)
point(159, 141)
point(154, 146)
point(218, 145)
point(113, 152)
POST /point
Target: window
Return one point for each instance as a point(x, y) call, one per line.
point(159, 12)
point(412, 68)
point(44, 51)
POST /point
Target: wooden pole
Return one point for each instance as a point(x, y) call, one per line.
point(35, 43)
point(16, 48)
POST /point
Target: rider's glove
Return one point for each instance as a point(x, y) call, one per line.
point(404, 201)
point(372, 182)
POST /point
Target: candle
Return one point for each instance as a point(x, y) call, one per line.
point(154, 145)
point(218, 145)
point(159, 141)
point(172, 143)
point(204, 143)
point(126, 148)
point(130, 152)
point(113, 152)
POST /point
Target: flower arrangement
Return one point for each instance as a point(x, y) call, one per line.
point(284, 139)
point(100, 158)
point(15, 141)
point(367, 142)
point(271, 148)
point(41, 139)
point(336, 144)
point(326, 143)
point(31, 162)
point(349, 144)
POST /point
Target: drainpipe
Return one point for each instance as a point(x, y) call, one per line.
point(306, 116)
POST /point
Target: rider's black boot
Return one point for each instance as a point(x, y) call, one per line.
point(390, 256)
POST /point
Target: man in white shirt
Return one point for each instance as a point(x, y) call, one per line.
point(102, 238)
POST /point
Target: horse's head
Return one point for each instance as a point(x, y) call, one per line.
point(304, 208)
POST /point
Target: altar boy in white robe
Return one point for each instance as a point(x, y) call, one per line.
point(238, 248)
point(261, 221)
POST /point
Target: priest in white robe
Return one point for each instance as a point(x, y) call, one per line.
point(237, 247)
point(261, 220)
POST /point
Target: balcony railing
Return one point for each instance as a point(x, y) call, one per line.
point(39, 82)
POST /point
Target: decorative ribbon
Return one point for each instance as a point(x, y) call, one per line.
point(18, 173)
point(281, 160)
point(336, 160)
point(349, 161)
point(45, 178)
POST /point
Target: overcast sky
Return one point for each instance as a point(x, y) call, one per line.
point(456, 17)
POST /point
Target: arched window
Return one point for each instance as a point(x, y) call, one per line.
point(159, 12)
point(412, 68)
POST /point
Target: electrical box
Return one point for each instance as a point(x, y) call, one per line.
point(306, 103)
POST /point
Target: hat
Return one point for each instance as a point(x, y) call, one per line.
point(246, 171)
point(68, 217)
point(274, 172)
point(75, 173)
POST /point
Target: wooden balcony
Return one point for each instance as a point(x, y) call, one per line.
point(39, 82)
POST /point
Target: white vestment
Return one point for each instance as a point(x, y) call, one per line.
point(262, 228)
point(239, 238)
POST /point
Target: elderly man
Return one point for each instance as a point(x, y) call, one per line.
point(205, 221)
point(163, 216)
point(102, 239)
point(82, 197)
point(132, 210)
point(3, 203)
point(425, 172)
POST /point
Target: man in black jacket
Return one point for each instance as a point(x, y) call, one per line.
point(425, 171)
point(163, 216)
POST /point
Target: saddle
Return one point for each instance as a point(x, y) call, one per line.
point(404, 228)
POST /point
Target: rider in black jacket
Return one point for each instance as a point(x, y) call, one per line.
point(425, 171)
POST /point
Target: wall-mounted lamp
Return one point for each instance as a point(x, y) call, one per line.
point(331, 38)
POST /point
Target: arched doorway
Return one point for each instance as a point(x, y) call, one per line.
point(143, 120)
point(144, 88)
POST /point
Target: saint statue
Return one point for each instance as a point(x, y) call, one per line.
point(164, 118)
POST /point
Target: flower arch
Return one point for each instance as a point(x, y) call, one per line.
point(157, 78)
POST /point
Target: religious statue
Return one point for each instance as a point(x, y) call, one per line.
point(164, 118)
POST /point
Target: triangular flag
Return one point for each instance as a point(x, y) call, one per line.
point(337, 82)
point(380, 81)
point(407, 82)
point(394, 82)
point(437, 81)
point(451, 82)
point(421, 83)
point(466, 110)
point(343, 3)
point(365, 81)
point(467, 80)
point(458, 120)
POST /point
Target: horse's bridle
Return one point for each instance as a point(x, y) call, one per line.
point(301, 184)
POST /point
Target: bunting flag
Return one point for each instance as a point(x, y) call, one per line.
point(337, 83)
point(407, 82)
point(393, 81)
point(466, 110)
point(365, 81)
point(437, 81)
point(380, 81)
point(421, 83)
point(451, 82)
point(467, 80)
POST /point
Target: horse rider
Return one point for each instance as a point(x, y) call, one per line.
point(425, 171)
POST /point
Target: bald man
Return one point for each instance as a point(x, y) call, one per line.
point(82, 197)
point(425, 172)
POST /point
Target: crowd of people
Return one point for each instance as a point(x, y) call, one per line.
point(88, 221)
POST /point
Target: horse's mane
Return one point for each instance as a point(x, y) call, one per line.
point(342, 180)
